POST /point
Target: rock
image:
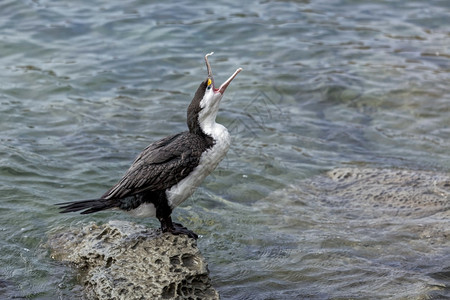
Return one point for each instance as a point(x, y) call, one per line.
point(361, 233)
point(401, 191)
point(123, 260)
point(384, 193)
point(418, 201)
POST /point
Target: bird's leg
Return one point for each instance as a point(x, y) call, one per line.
point(166, 224)
point(163, 215)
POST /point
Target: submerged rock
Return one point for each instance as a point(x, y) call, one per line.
point(404, 189)
point(361, 233)
point(389, 192)
point(420, 199)
point(123, 260)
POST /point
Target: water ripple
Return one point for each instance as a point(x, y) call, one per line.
point(85, 87)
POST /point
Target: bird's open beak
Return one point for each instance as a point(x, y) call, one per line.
point(224, 85)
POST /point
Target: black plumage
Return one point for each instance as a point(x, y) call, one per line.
point(161, 165)
point(165, 163)
point(158, 167)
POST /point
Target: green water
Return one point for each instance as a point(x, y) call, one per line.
point(86, 85)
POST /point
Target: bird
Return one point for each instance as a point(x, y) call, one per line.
point(169, 170)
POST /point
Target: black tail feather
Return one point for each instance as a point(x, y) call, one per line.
point(86, 206)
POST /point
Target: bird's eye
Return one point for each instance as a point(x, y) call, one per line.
point(209, 83)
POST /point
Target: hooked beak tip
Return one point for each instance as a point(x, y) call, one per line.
point(208, 66)
point(224, 86)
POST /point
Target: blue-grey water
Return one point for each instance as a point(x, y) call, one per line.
point(86, 85)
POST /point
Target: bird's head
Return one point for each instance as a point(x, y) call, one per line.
point(203, 109)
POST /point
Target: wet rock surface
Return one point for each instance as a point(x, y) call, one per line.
point(123, 260)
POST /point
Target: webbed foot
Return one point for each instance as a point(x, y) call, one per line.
point(180, 229)
point(176, 228)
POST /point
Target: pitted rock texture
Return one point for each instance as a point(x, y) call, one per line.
point(123, 260)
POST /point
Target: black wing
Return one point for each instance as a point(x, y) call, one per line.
point(161, 165)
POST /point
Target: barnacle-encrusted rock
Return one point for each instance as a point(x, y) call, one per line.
point(124, 260)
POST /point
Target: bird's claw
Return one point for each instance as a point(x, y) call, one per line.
point(178, 229)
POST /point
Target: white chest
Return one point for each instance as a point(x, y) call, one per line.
point(208, 162)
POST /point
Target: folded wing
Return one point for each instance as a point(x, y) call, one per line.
point(160, 166)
